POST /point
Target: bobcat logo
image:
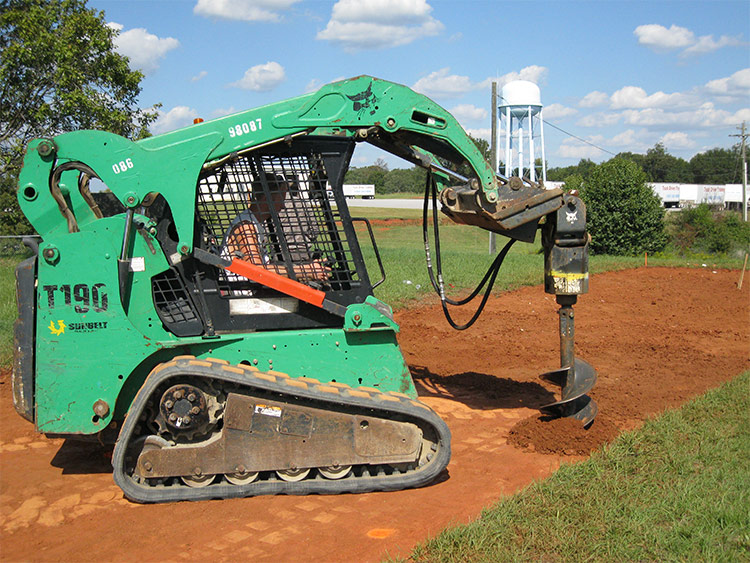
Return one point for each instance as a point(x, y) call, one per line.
point(59, 330)
point(364, 101)
point(571, 217)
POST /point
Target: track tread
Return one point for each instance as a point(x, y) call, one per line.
point(386, 405)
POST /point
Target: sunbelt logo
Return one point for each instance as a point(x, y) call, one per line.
point(75, 327)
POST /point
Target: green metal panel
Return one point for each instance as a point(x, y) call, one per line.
point(88, 350)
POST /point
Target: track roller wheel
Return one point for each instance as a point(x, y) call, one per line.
point(253, 421)
point(335, 472)
point(293, 475)
point(198, 482)
point(242, 478)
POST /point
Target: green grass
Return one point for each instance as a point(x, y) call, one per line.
point(466, 258)
point(7, 306)
point(674, 490)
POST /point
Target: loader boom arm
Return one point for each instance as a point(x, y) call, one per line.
point(388, 115)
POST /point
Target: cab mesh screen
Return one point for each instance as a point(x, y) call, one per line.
point(275, 211)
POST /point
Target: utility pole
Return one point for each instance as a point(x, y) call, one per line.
point(743, 134)
point(493, 151)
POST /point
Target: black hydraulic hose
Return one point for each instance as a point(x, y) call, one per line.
point(486, 295)
point(438, 284)
point(495, 265)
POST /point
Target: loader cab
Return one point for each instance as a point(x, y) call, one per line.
point(269, 207)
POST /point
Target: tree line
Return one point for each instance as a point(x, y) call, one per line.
point(715, 166)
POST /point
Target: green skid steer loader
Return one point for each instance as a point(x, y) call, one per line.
point(200, 301)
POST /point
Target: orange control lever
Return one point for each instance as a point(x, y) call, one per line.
point(278, 282)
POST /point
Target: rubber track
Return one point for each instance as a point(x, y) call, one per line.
point(372, 402)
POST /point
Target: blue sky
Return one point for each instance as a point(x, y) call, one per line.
point(623, 75)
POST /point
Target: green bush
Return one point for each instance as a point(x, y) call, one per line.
point(573, 182)
point(625, 217)
point(703, 229)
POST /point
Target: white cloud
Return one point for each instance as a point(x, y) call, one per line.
point(572, 148)
point(200, 76)
point(223, 112)
point(706, 44)
point(534, 73)
point(599, 119)
point(481, 133)
point(144, 49)
point(628, 139)
point(704, 117)
point(659, 38)
point(315, 84)
point(262, 78)
point(378, 24)
point(635, 97)
point(558, 111)
point(468, 112)
point(244, 10)
point(442, 84)
point(677, 140)
point(594, 99)
point(737, 85)
point(176, 118)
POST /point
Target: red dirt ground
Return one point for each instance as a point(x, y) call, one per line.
point(656, 336)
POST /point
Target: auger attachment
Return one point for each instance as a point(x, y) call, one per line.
point(566, 274)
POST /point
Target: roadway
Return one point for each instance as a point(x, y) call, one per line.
point(387, 203)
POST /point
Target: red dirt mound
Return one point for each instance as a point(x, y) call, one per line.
point(561, 436)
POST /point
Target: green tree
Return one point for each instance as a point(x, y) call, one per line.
point(58, 72)
point(625, 216)
point(405, 180)
point(717, 166)
point(703, 229)
point(583, 169)
point(660, 166)
point(463, 168)
point(573, 182)
point(367, 175)
point(639, 159)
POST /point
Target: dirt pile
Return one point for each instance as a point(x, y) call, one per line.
point(561, 436)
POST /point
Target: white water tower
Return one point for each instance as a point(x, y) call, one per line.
point(521, 119)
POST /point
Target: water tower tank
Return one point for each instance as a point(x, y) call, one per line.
point(519, 95)
point(521, 113)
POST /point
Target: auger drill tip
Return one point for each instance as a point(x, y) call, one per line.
point(576, 381)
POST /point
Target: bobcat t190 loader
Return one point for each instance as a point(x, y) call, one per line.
point(210, 311)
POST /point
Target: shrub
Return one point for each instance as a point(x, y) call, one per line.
point(625, 217)
point(703, 229)
point(573, 182)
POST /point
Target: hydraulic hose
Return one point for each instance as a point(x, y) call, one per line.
point(438, 284)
